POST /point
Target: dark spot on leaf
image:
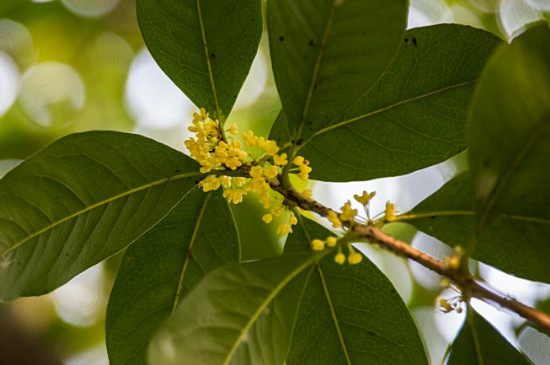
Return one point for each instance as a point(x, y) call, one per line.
point(196, 181)
point(281, 38)
point(213, 55)
point(252, 20)
point(406, 40)
point(311, 43)
point(234, 96)
point(460, 150)
point(414, 41)
point(299, 142)
point(433, 217)
point(309, 122)
point(178, 171)
point(315, 87)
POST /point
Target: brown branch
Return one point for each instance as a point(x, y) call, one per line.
point(465, 282)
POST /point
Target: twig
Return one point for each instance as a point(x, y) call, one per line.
point(464, 281)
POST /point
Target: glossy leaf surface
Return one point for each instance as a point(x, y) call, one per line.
point(205, 46)
point(219, 320)
point(414, 117)
point(350, 314)
point(509, 130)
point(449, 215)
point(478, 343)
point(162, 267)
point(81, 200)
point(327, 53)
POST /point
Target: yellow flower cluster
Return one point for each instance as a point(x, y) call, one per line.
point(347, 215)
point(303, 167)
point(214, 153)
point(319, 245)
point(354, 257)
point(338, 220)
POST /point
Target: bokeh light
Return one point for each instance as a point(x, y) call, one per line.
point(90, 9)
point(9, 79)
point(51, 93)
point(152, 98)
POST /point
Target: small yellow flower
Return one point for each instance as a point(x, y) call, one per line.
point(292, 220)
point(365, 198)
point(261, 142)
point(225, 181)
point(333, 218)
point(347, 213)
point(271, 147)
point(280, 160)
point(210, 183)
point(454, 262)
point(238, 197)
point(265, 200)
point(308, 193)
point(256, 171)
point(234, 196)
point(304, 171)
point(390, 212)
point(267, 218)
point(233, 129)
point(340, 258)
point(284, 229)
point(277, 211)
point(331, 241)
point(355, 258)
point(249, 138)
point(271, 172)
point(239, 181)
point(298, 160)
point(317, 245)
point(201, 116)
point(233, 163)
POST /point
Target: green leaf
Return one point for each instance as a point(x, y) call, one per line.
point(449, 215)
point(478, 343)
point(350, 314)
point(413, 117)
point(327, 53)
point(233, 315)
point(6, 5)
point(162, 267)
point(205, 46)
point(509, 131)
point(81, 200)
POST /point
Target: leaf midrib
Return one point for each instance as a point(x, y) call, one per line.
point(495, 193)
point(328, 298)
point(97, 205)
point(190, 250)
point(268, 300)
point(208, 64)
point(475, 336)
point(411, 217)
point(333, 314)
point(388, 107)
point(316, 67)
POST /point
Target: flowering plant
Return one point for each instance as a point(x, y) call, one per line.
point(362, 98)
